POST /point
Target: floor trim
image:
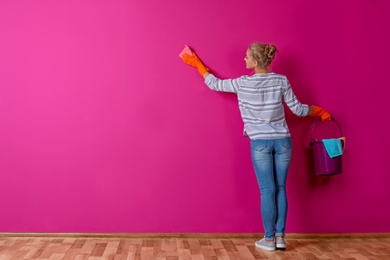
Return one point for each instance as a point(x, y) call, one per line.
point(195, 235)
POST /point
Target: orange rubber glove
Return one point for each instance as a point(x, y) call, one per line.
point(319, 111)
point(194, 61)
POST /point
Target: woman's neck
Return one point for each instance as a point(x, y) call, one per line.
point(259, 70)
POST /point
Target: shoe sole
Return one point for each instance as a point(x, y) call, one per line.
point(281, 246)
point(266, 248)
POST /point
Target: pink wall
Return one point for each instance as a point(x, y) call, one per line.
point(104, 129)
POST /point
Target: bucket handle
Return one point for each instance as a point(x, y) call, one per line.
point(318, 120)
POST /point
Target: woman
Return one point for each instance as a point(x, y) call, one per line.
point(260, 99)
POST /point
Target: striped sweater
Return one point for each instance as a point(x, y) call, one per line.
point(260, 101)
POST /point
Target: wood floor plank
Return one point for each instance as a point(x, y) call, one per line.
point(189, 248)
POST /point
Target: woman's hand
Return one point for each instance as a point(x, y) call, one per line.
point(319, 111)
point(194, 61)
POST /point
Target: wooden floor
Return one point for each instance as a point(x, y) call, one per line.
point(82, 246)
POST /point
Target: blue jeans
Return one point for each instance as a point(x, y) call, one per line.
point(271, 160)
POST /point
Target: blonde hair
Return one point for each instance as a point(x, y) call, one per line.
point(263, 53)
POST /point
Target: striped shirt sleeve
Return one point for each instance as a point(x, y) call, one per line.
point(293, 103)
point(223, 85)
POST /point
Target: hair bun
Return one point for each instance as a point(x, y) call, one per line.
point(263, 53)
point(269, 50)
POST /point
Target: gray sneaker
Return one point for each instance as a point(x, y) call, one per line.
point(280, 243)
point(268, 245)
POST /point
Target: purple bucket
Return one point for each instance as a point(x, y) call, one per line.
point(324, 165)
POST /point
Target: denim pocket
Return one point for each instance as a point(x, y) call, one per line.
point(259, 145)
point(286, 143)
